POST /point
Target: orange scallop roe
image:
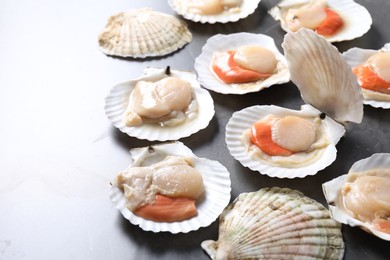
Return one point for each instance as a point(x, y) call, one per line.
point(382, 225)
point(368, 79)
point(331, 25)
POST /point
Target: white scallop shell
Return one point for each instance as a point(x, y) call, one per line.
point(333, 188)
point(244, 119)
point(356, 56)
point(141, 33)
point(219, 43)
point(276, 223)
point(216, 181)
point(357, 20)
point(248, 7)
point(117, 100)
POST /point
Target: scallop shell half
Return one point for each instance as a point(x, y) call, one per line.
point(221, 42)
point(276, 223)
point(117, 100)
point(141, 33)
point(216, 181)
point(356, 56)
point(357, 20)
point(333, 188)
point(247, 8)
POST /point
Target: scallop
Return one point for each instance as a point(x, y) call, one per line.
point(276, 223)
point(333, 98)
point(292, 15)
point(214, 11)
point(358, 56)
point(216, 183)
point(141, 33)
point(246, 42)
point(157, 112)
point(361, 198)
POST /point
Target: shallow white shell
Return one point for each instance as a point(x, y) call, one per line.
point(276, 223)
point(356, 56)
point(221, 42)
point(357, 20)
point(141, 33)
point(323, 77)
point(216, 181)
point(333, 188)
point(248, 7)
point(244, 119)
point(117, 100)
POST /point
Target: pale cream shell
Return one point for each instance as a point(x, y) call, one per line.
point(333, 188)
point(357, 20)
point(221, 42)
point(356, 56)
point(117, 100)
point(244, 119)
point(248, 7)
point(141, 33)
point(276, 223)
point(216, 181)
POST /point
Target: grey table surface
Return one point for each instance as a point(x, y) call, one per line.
point(59, 152)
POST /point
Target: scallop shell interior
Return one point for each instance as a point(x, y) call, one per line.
point(276, 223)
point(356, 56)
point(357, 20)
point(333, 188)
point(247, 7)
point(141, 33)
point(216, 180)
point(244, 119)
point(219, 43)
point(117, 100)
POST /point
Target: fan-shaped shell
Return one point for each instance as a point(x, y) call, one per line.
point(356, 56)
point(357, 20)
point(323, 77)
point(332, 190)
point(141, 33)
point(216, 181)
point(220, 43)
point(276, 223)
point(247, 7)
point(117, 100)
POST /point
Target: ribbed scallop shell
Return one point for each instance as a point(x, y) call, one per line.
point(276, 223)
point(323, 77)
point(356, 56)
point(219, 43)
point(247, 8)
point(216, 181)
point(357, 20)
point(333, 188)
point(117, 100)
point(141, 33)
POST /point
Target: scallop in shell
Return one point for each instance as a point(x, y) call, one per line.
point(222, 43)
point(216, 181)
point(276, 223)
point(141, 33)
point(180, 124)
point(356, 19)
point(358, 56)
point(214, 11)
point(372, 176)
point(333, 98)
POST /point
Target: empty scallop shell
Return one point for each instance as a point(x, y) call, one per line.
point(356, 56)
point(332, 191)
point(247, 7)
point(143, 33)
point(117, 100)
point(357, 20)
point(276, 223)
point(216, 181)
point(219, 43)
